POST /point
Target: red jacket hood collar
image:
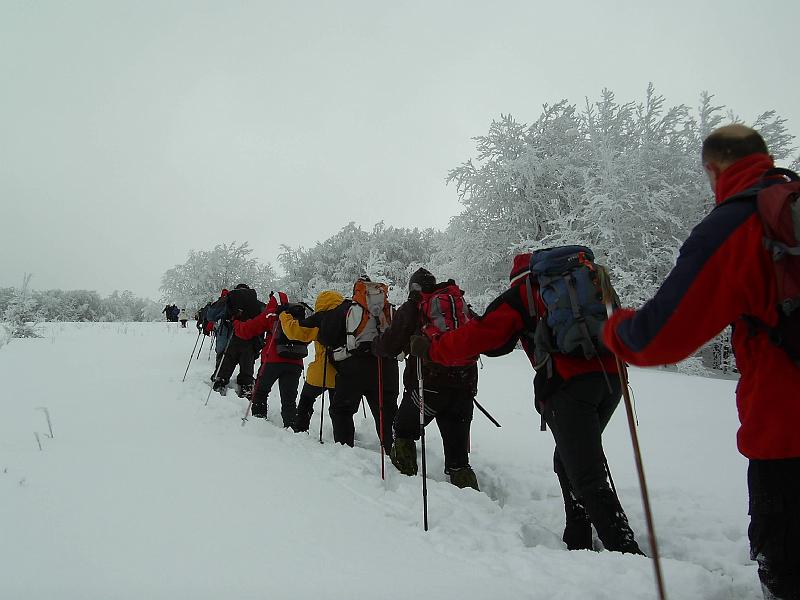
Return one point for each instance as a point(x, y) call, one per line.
point(742, 174)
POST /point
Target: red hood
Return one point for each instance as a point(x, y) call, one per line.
point(742, 174)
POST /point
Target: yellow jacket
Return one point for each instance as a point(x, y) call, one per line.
point(291, 327)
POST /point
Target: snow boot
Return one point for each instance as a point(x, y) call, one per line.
point(302, 421)
point(608, 518)
point(404, 456)
point(259, 410)
point(464, 477)
point(221, 386)
point(244, 390)
point(578, 530)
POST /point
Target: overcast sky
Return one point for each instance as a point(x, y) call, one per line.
point(132, 132)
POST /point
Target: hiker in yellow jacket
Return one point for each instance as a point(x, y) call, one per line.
point(317, 369)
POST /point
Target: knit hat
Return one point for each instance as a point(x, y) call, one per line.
point(224, 293)
point(422, 279)
point(520, 267)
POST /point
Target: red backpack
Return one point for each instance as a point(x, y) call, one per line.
point(779, 209)
point(443, 310)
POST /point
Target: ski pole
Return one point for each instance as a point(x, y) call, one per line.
point(380, 411)
point(211, 347)
point(608, 298)
point(486, 413)
point(191, 356)
point(201, 346)
point(222, 360)
point(324, 389)
point(422, 436)
point(363, 408)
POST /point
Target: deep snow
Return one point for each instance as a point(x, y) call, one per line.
point(145, 493)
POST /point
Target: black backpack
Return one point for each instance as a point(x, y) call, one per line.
point(284, 346)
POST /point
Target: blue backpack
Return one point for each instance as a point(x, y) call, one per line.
point(570, 288)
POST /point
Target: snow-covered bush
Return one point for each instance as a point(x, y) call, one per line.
point(20, 318)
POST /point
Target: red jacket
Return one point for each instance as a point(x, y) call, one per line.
point(500, 327)
point(722, 274)
point(266, 323)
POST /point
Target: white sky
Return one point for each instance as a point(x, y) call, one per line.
point(132, 132)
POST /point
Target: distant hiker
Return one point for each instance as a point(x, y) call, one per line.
point(167, 312)
point(349, 330)
point(317, 369)
point(281, 358)
point(174, 311)
point(201, 320)
point(183, 317)
point(575, 395)
point(241, 303)
point(735, 268)
point(449, 391)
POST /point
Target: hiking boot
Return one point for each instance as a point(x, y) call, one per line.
point(404, 456)
point(259, 410)
point(464, 477)
point(302, 421)
point(610, 522)
point(221, 386)
point(578, 530)
point(245, 391)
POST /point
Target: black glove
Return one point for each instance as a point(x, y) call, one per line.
point(420, 345)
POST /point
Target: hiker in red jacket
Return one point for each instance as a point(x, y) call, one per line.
point(725, 276)
point(274, 367)
point(576, 397)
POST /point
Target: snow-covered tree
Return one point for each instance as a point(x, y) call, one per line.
point(206, 273)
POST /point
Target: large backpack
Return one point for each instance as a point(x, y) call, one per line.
point(369, 315)
point(243, 303)
point(284, 346)
point(570, 288)
point(779, 209)
point(442, 310)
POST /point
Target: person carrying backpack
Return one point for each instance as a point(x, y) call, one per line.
point(449, 391)
point(348, 330)
point(321, 373)
point(183, 317)
point(741, 266)
point(576, 392)
point(240, 304)
point(281, 358)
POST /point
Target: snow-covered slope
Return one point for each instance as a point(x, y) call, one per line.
point(144, 492)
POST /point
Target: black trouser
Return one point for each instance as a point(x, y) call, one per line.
point(577, 412)
point(239, 352)
point(288, 378)
point(774, 531)
point(357, 376)
point(452, 408)
point(305, 405)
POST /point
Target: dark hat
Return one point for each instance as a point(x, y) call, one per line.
point(521, 266)
point(422, 280)
point(242, 286)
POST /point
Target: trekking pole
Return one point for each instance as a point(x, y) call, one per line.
point(324, 389)
point(422, 436)
point(201, 346)
point(221, 360)
point(608, 296)
point(191, 356)
point(211, 347)
point(363, 408)
point(380, 411)
point(486, 413)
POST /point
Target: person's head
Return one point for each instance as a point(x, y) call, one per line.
point(421, 280)
point(242, 286)
point(727, 145)
point(520, 267)
point(224, 293)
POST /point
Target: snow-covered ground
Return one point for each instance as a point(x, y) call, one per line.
point(146, 493)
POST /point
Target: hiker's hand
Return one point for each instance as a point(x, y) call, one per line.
point(420, 346)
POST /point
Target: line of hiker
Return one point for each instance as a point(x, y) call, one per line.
point(740, 267)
